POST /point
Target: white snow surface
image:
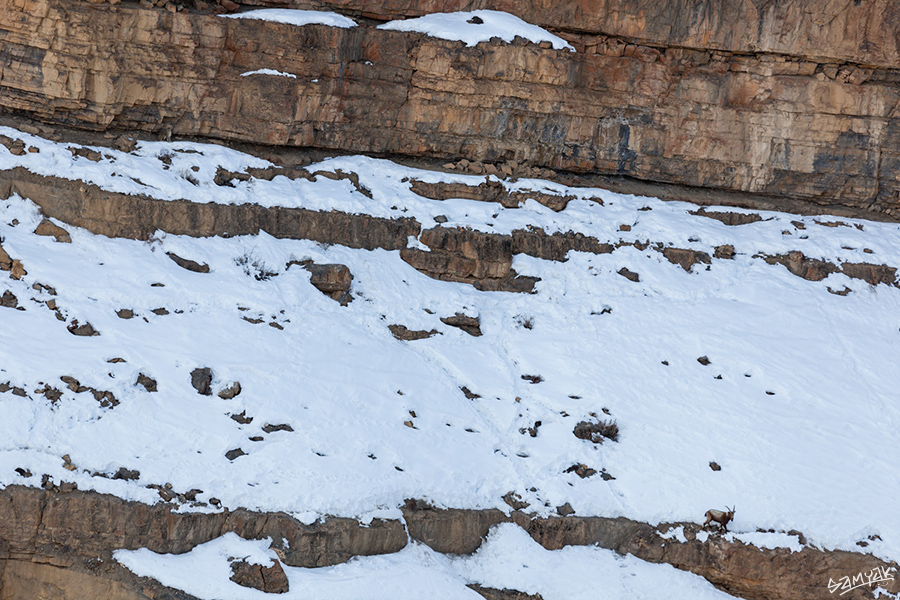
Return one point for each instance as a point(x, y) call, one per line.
point(804, 420)
point(268, 72)
point(297, 17)
point(458, 26)
point(509, 558)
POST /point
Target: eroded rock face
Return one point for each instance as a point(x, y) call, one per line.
point(71, 529)
point(808, 105)
point(271, 580)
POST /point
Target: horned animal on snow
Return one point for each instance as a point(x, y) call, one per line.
point(722, 518)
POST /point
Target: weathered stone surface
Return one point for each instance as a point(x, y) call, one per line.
point(685, 258)
point(84, 329)
point(5, 260)
point(271, 580)
point(802, 266)
point(843, 30)
point(489, 191)
point(505, 594)
point(186, 263)
point(333, 280)
point(201, 380)
point(401, 332)
point(471, 325)
point(68, 530)
point(51, 229)
point(770, 98)
point(138, 217)
point(148, 382)
point(9, 300)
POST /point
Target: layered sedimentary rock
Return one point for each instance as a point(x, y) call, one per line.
point(793, 101)
point(59, 544)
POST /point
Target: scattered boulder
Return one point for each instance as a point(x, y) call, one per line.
point(5, 260)
point(725, 251)
point(91, 155)
point(871, 274)
point(596, 432)
point(402, 333)
point(581, 470)
point(630, 275)
point(273, 428)
point(231, 391)
point(125, 313)
point(201, 380)
point(685, 258)
point(161, 312)
point(148, 382)
point(333, 280)
point(242, 418)
point(126, 474)
point(728, 218)
point(469, 394)
point(704, 360)
point(51, 393)
point(233, 454)
point(715, 466)
point(471, 325)
point(17, 271)
point(188, 264)
point(86, 330)
point(505, 594)
point(9, 300)
point(515, 501)
point(271, 580)
point(565, 510)
point(50, 229)
point(532, 379)
point(808, 268)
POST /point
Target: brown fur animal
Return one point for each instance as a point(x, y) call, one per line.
point(722, 518)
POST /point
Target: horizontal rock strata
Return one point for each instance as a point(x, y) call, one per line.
point(481, 259)
point(694, 95)
point(66, 540)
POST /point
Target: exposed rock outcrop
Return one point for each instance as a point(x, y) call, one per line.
point(647, 95)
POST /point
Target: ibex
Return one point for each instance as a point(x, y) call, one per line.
point(720, 517)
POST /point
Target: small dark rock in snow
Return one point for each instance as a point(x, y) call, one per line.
point(242, 418)
point(471, 325)
point(231, 391)
point(476, 20)
point(703, 360)
point(273, 428)
point(86, 330)
point(565, 510)
point(188, 264)
point(9, 300)
point(201, 379)
point(715, 466)
point(148, 382)
point(630, 275)
point(127, 474)
point(233, 454)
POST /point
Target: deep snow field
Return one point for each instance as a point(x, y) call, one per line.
point(798, 403)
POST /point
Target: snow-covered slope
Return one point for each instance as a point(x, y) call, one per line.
point(798, 404)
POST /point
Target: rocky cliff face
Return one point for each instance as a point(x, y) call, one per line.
point(723, 96)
